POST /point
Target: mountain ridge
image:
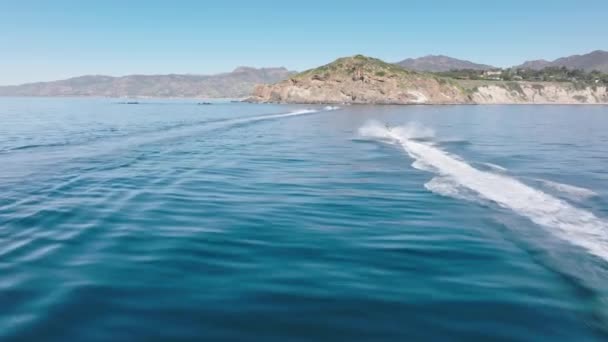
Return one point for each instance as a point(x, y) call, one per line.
point(235, 84)
point(439, 63)
point(242, 80)
point(594, 60)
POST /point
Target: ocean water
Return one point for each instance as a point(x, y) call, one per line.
point(170, 221)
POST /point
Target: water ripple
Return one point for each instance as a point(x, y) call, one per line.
point(238, 222)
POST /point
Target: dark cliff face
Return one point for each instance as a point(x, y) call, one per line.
point(238, 83)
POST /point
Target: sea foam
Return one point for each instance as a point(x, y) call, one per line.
point(571, 192)
point(456, 178)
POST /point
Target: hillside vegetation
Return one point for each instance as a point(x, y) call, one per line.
point(549, 74)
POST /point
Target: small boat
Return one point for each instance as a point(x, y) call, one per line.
point(204, 103)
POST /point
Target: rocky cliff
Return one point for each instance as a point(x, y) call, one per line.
point(361, 80)
point(365, 80)
point(539, 93)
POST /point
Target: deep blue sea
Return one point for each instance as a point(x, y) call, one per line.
point(172, 221)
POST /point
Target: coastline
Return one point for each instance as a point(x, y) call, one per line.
point(248, 100)
point(432, 104)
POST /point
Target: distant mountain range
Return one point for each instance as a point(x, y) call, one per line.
point(236, 84)
point(242, 81)
point(440, 63)
point(596, 60)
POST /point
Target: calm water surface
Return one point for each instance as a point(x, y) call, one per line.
point(172, 221)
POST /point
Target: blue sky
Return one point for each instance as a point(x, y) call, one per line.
point(47, 40)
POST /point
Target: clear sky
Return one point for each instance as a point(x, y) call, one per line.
point(54, 39)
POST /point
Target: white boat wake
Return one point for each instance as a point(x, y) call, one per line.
point(458, 179)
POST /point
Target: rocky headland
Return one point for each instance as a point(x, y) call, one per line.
point(364, 80)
